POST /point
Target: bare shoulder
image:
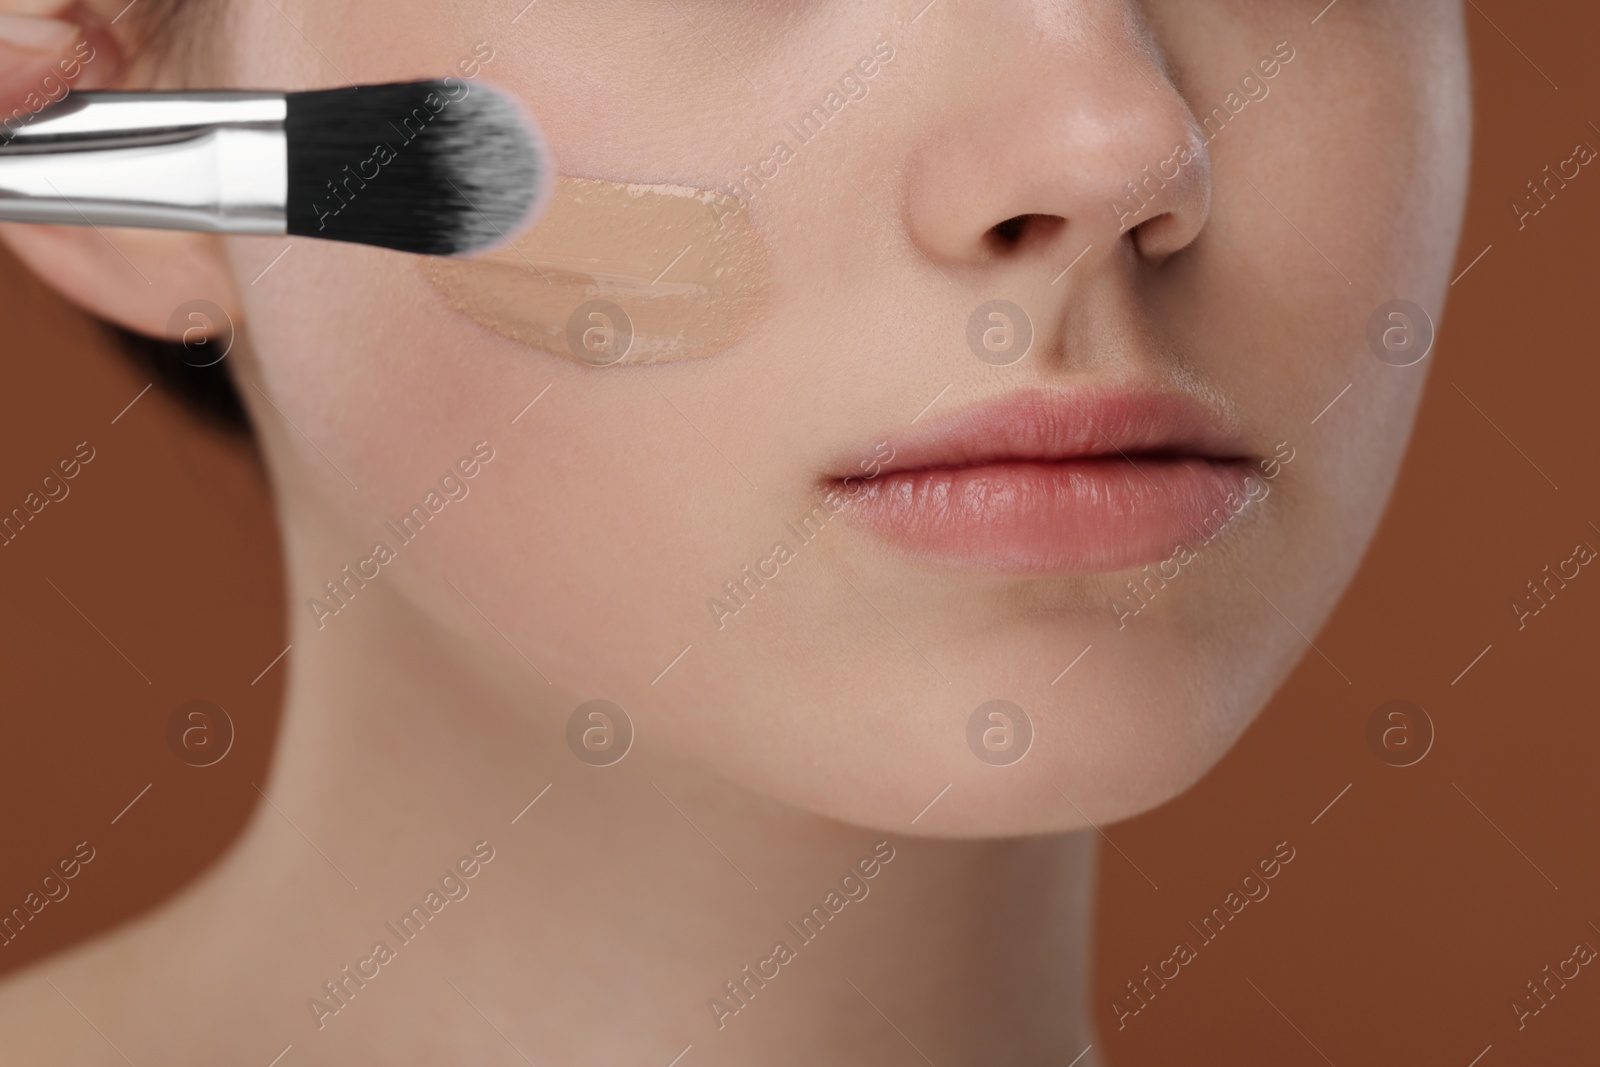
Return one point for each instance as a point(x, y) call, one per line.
point(41, 1012)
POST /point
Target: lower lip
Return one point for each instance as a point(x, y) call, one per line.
point(1072, 516)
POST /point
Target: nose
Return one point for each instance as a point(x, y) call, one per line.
point(1066, 134)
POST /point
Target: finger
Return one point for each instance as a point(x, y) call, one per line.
point(30, 48)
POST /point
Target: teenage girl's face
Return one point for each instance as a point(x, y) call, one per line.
point(982, 350)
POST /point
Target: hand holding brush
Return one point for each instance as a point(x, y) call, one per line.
point(441, 167)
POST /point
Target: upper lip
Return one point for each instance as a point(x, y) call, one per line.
point(1043, 426)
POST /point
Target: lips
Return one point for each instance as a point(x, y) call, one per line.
point(1057, 483)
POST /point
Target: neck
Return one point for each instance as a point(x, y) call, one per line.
point(611, 914)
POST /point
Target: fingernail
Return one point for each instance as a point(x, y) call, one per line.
point(29, 34)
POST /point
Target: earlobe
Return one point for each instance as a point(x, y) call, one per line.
point(134, 278)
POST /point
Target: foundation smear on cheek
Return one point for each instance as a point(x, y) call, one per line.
point(684, 264)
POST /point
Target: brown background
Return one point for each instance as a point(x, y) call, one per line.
point(1417, 906)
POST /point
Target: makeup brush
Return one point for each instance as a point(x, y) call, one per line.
point(434, 167)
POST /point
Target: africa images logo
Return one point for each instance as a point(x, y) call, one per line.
point(853, 887)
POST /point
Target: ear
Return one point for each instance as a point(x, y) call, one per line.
point(135, 278)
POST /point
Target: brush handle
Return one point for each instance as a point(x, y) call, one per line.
point(213, 161)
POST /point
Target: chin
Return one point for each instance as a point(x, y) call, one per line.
point(1132, 731)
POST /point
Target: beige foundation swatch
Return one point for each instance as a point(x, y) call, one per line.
point(684, 265)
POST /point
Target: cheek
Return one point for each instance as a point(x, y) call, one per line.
point(361, 362)
point(639, 522)
point(1368, 168)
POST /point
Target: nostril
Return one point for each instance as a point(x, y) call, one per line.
point(1022, 230)
point(1009, 231)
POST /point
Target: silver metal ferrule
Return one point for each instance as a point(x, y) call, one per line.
point(216, 161)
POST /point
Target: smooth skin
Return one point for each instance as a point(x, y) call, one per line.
point(827, 714)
